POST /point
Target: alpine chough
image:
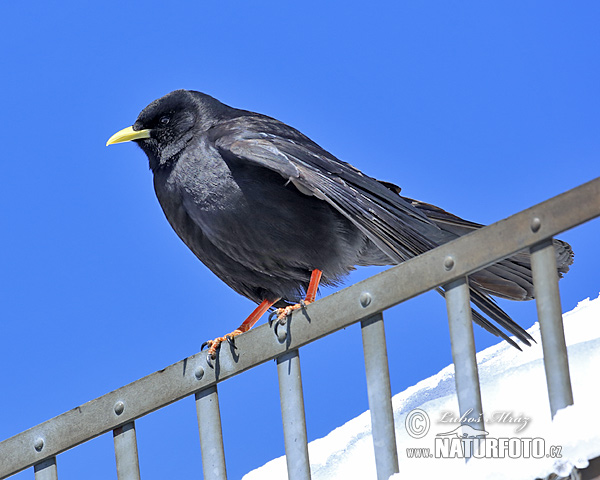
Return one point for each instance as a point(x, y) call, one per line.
point(273, 214)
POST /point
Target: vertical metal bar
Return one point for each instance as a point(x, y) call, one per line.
point(46, 470)
point(466, 375)
point(380, 396)
point(292, 413)
point(547, 299)
point(126, 452)
point(211, 435)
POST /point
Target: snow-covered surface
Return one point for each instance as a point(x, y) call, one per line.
point(513, 384)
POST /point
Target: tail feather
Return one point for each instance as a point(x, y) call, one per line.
point(490, 308)
point(510, 278)
point(489, 326)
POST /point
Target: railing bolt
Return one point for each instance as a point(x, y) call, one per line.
point(365, 299)
point(536, 223)
point(38, 444)
point(119, 407)
point(199, 372)
point(448, 263)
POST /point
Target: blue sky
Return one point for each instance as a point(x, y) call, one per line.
point(481, 108)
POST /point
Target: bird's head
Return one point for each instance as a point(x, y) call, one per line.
point(164, 128)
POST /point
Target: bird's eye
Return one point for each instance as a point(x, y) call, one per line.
point(164, 120)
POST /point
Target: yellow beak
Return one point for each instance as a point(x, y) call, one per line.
point(127, 135)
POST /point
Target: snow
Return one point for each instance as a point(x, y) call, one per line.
point(515, 403)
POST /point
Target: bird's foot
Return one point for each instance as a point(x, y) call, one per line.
point(280, 314)
point(213, 345)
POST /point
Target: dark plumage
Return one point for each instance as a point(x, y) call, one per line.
point(262, 205)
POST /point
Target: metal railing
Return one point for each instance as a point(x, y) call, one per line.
point(448, 266)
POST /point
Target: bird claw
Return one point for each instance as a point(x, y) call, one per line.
point(214, 345)
point(212, 354)
point(274, 315)
point(281, 314)
point(209, 360)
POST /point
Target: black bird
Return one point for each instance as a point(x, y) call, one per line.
point(273, 214)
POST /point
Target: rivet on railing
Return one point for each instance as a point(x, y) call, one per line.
point(38, 444)
point(449, 263)
point(365, 299)
point(119, 407)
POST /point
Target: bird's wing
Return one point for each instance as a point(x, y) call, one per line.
point(444, 219)
point(393, 224)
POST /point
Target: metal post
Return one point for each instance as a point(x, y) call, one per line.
point(126, 452)
point(380, 396)
point(462, 342)
point(547, 299)
point(292, 413)
point(211, 435)
point(46, 470)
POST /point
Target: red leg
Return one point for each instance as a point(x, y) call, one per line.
point(255, 316)
point(313, 286)
point(311, 294)
point(244, 327)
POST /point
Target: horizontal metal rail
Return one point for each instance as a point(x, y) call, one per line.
point(441, 266)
